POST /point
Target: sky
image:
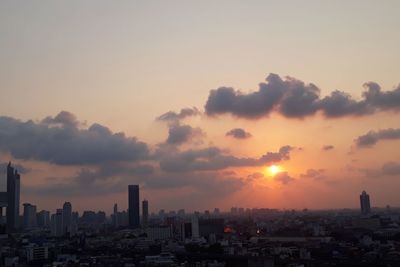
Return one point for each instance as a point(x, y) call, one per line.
point(195, 100)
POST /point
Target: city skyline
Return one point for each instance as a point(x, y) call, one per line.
point(203, 105)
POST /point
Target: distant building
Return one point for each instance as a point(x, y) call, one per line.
point(29, 216)
point(67, 219)
point(43, 218)
point(57, 223)
point(195, 227)
point(365, 203)
point(115, 216)
point(133, 206)
point(13, 190)
point(145, 213)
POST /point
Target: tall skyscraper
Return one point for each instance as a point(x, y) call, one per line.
point(145, 213)
point(67, 218)
point(133, 206)
point(12, 212)
point(57, 223)
point(365, 203)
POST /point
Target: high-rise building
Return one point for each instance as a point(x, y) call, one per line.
point(43, 218)
point(115, 215)
point(67, 218)
point(195, 226)
point(145, 213)
point(365, 203)
point(29, 216)
point(13, 187)
point(57, 223)
point(133, 206)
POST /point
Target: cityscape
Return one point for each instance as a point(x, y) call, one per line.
point(239, 237)
point(229, 133)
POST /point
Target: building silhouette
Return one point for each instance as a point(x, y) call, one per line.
point(365, 203)
point(30, 220)
point(13, 190)
point(145, 213)
point(67, 218)
point(133, 206)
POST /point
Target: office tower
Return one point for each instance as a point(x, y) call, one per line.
point(43, 218)
point(133, 206)
point(58, 223)
point(13, 185)
point(195, 227)
point(29, 216)
point(145, 213)
point(365, 203)
point(67, 218)
point(115, 216)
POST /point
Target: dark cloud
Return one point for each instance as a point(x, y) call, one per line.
point(295, 99)
point(172, 116)
point(382, 100)
point(316, 174)
point(284, 178)
point(63, 118)
point(213, 158)
point(179, 134)
point(66, 144)
point(328, 147)
point(238, 133)
point(340, 104)
point(373, 137)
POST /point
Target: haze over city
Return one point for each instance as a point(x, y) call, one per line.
point(206, 104)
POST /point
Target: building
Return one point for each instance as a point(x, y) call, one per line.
point(57, 223)
point(37, 253)
point(365, 203)
point(13, 187)
point(115, 216)
point(133, 206)
point(195, 227)
point(43, 218)
point(145, 213)
point(29, 216)
point(67, 218)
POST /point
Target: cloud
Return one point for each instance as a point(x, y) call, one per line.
point(179, 134)
point(21, 169)
point(65, 144)
point(293, 98)
point(388, 169)
point(172, 116)
point(391, 168)
point(328, 147)
point(63, 118)
point(373, 137)
point(213, 158)
point(383, 100)
point(238, 133)
point(316, 174)
point(284, 178)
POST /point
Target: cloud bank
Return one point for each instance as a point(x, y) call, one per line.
point(293, 98)
point(58, 140)
point(372, 137)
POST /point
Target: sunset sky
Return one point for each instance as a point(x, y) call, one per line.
point(195, 100)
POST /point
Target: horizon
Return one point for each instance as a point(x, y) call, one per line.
point(201, 104)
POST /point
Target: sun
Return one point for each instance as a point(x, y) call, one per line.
point(274, 169)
